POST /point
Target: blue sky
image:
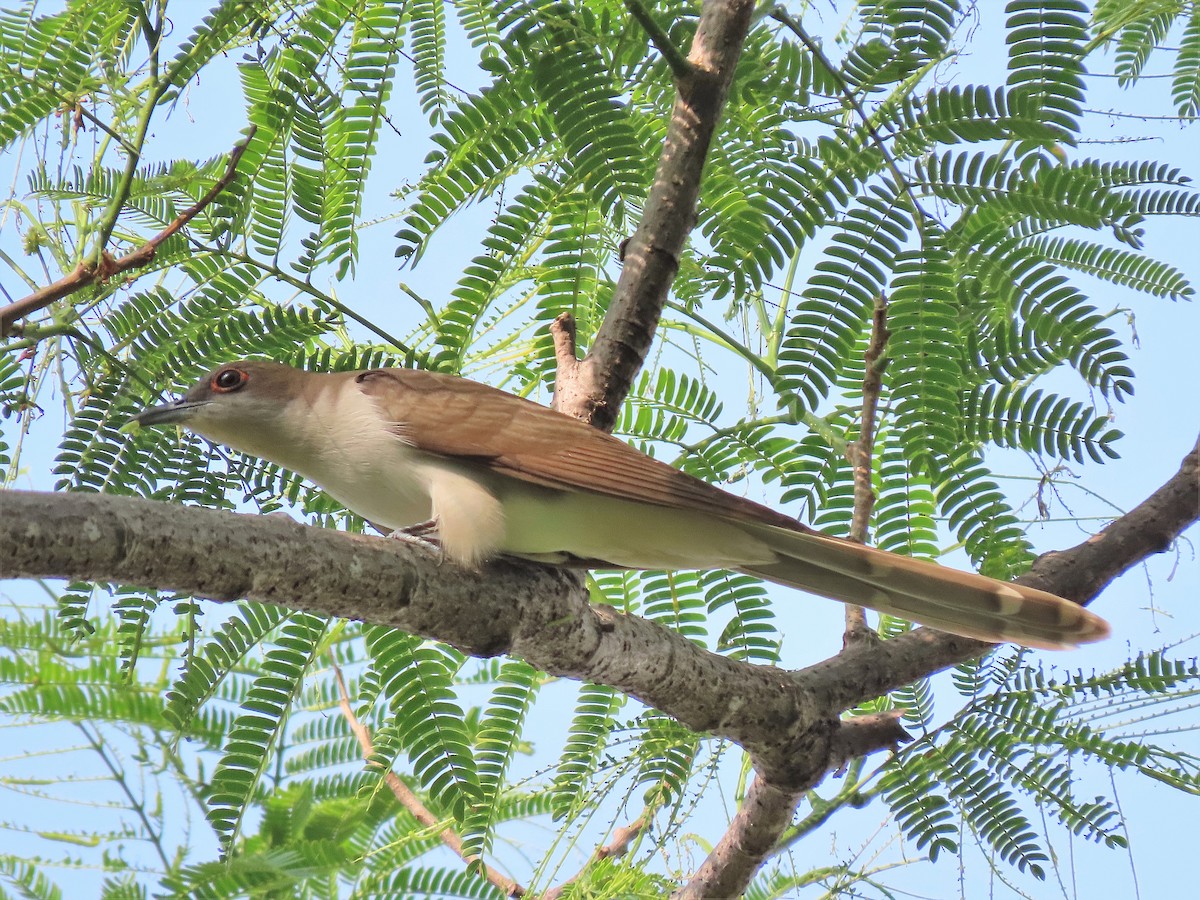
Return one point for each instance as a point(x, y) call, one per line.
point(1160, 424)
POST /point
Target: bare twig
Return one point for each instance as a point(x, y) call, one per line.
point(861, 735)
point(87, 273)
point(411, 801)
point(660, 39)
point(618, 846)
point(79, 110)
point(566, 360)
point(861, 453)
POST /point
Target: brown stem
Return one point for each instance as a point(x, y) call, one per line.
point(756, 826)
point(411, 801)
point(618, 846)
point(770, 806)
point(594, 389)
point(566, 360)
point(88, 273)
point(861, 453)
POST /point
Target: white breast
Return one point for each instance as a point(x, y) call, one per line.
point(358, 459)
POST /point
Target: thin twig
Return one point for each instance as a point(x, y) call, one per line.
point(660, 39)
point(566, 360)
point(79, 109)
point(88, 273)
point(617, 847)
point(411, 801)
point(861, 454)
point(781, 15)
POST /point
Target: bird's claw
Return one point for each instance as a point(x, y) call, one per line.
point(419, 536)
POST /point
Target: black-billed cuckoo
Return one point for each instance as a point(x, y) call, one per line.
point(501, 475)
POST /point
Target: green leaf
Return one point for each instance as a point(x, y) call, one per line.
point(249, 749)
point(426, 721)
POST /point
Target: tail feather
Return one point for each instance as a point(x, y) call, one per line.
point(959, 602)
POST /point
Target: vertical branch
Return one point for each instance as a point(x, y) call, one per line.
point(593, 389)
point(566, 365)
point(750, 837)
point(861, 455)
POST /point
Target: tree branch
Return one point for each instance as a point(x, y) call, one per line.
point(88, 272)
point(593, 390)
point(756, 826)
point(1079, 574)
point(788, 722)
point(538, 613)
point(770, 804)
point(861, 453)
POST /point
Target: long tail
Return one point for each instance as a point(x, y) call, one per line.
point(959, 602)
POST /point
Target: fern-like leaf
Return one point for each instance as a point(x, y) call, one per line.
point(595, 714)
point(426, 720)
point(249, 751)
point(500, 737)
point(1045, 51)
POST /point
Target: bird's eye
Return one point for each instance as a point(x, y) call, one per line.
point(228, 380)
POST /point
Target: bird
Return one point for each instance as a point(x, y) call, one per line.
point(498, 475)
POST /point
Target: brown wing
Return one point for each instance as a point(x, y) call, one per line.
point(466, 420)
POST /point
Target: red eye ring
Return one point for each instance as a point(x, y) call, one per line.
point(228, 380)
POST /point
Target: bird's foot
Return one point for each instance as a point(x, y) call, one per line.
point(423, 537)
point(421, 529)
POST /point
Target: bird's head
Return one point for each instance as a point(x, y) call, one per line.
point(240, 404)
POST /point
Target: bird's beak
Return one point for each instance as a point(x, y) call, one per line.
point(169, 413)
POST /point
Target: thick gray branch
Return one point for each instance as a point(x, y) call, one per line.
point(787, 721)
point(768, 809)
point(751, 836)
point(538, 613)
